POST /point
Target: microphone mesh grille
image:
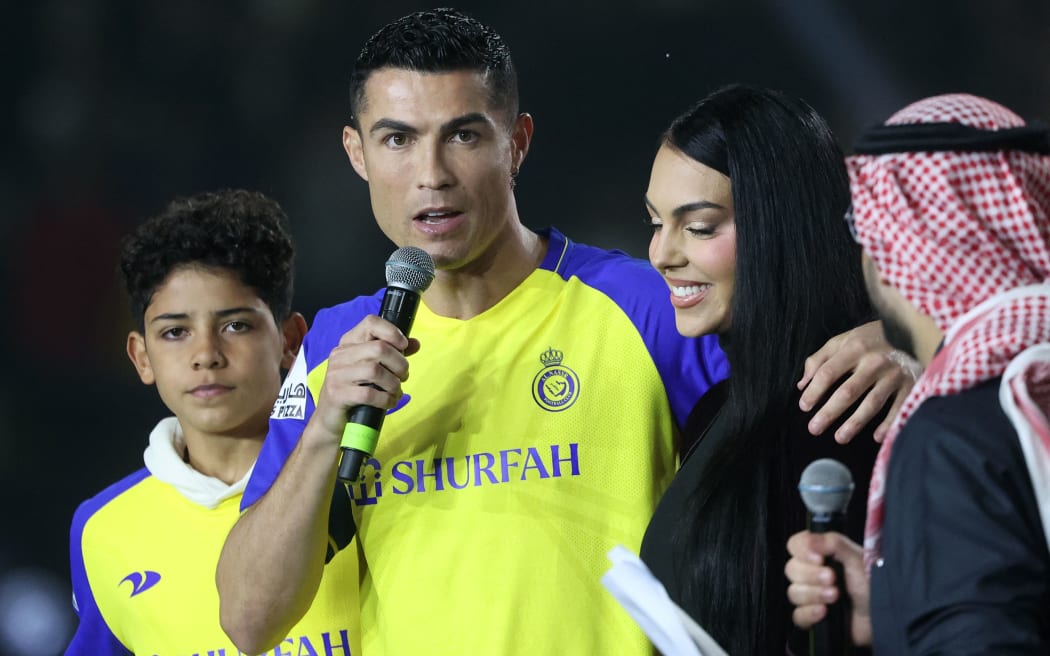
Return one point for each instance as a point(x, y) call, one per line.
point(410, 268)
point(826, 486)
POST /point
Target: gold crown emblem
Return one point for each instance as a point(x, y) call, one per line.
point(551, 357)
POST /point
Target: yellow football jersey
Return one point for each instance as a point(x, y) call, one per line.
point(531, 440)
point(143, 559)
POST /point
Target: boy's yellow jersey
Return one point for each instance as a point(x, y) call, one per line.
point(531, 440)
point(143, 559)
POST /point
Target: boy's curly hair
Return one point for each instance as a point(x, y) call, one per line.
point(241, 231)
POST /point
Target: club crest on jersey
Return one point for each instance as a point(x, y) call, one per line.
point(555, 387)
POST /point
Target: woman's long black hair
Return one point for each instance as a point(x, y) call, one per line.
point(798, 283)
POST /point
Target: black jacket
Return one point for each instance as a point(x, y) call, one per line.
point(965, 567)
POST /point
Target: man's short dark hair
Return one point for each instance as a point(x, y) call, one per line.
point(243, 232)
point(438, 41)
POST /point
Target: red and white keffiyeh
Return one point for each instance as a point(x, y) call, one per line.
point(965, 237)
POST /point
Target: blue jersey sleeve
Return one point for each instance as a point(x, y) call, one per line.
point(295, 401)
point(93, 636)
point(688, 366)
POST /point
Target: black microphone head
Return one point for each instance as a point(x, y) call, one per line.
point(410, 268)
point(826, 487)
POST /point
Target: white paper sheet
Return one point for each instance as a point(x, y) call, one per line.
point(670, 629)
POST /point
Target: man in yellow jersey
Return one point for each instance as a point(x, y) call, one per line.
point(210, 286)
point(539, 425)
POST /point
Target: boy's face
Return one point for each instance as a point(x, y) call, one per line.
point(214, 351)
point(438, 158)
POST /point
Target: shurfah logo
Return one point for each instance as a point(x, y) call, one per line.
point(291, 400)
point(329, 643)
point(555, 387)
point(472, 470)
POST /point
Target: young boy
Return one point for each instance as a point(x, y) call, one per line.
point(210, 286)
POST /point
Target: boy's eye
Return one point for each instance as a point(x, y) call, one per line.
point(175, 332)
point(237, 326)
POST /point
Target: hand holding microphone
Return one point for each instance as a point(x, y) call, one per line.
point(808, 589)
point(409, 272)
point(826, 487)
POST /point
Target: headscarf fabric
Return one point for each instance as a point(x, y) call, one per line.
point(964, 235)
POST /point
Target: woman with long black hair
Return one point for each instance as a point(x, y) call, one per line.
point(746, 200)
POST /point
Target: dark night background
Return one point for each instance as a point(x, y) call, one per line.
point(112, 108)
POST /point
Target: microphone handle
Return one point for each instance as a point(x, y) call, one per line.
point(830, 636)
point(359, 440)
point(364, 421)
point(399, 307)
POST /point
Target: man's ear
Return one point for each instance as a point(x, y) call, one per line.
point(140, 358)
point(293, 330)
point(520, 138)
point(355, 151)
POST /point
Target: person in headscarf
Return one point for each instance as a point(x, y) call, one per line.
point(951, 204)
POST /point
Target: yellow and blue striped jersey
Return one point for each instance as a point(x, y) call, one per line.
point(143, 559)
point(531, 439)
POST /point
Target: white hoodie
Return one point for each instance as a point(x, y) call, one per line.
point(164, 458)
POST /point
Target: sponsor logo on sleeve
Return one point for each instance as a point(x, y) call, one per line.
point(291, 400)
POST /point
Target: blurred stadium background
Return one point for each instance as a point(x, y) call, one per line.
point(115, 107)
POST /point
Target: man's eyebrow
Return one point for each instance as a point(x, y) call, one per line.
point(466, 119)
point(687, 207)
point(391, 124)
point(450, 126)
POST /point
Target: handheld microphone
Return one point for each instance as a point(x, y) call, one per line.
point(409, 272)
point(826, 487)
